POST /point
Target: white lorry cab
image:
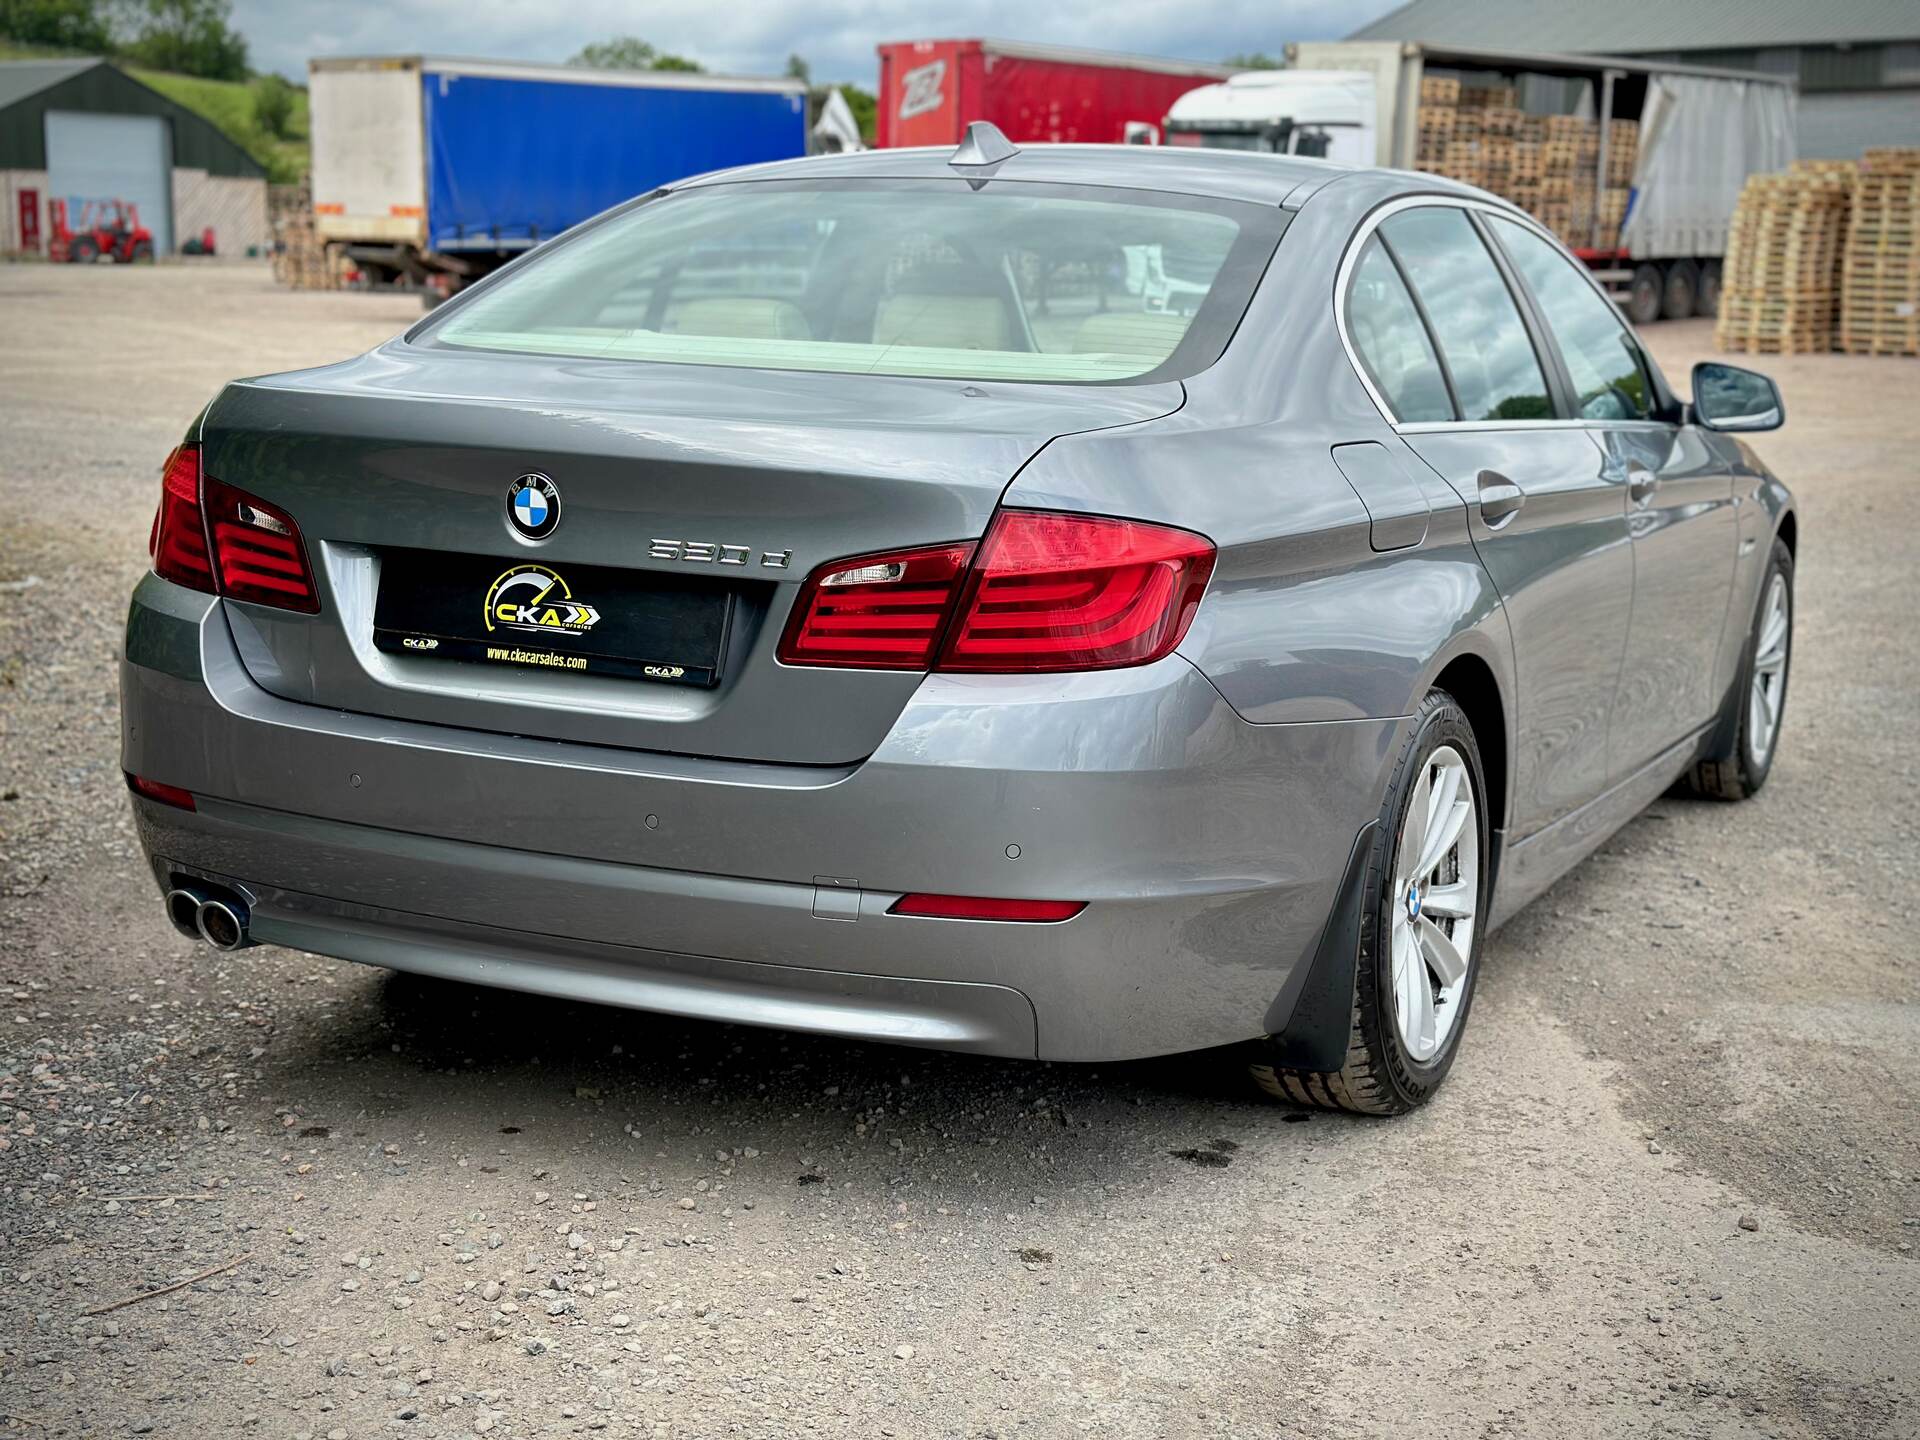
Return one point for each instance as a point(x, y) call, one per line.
point(1331, 114)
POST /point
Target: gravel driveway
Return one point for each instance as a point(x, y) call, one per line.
point(1673, 1188)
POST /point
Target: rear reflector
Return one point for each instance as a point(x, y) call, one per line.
point(1043, 592)
point(1077, 592)
point(877, 612)
point(969, 907)
point(257, 550)
point(165, 794)
point(179, 539)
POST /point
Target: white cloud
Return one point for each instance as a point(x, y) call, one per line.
point(837, 37)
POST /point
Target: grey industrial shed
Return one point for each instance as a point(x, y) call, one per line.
point(84, 130)
point(1857, 61)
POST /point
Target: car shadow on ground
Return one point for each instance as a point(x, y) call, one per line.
point(496, 1073)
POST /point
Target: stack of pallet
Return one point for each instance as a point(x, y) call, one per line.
point(300, 258)
point(1623, 152)
point(1781, 273)
point(1439, 109)
point(1548, 165)
point(1880, 286)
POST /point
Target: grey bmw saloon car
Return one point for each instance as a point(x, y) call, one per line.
point(1074, 602)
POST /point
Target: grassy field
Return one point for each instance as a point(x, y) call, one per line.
point(227, 103)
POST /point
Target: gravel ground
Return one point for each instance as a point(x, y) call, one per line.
point(1673, 1188)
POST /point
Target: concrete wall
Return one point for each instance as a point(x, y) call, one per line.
point(234, 207)
point(12, 182)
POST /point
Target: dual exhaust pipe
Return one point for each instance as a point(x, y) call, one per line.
point(209, 913)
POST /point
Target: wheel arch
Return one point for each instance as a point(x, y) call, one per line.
point(1472, 682)
point(1789, 532)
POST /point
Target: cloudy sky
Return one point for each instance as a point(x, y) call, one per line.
point(754, 37)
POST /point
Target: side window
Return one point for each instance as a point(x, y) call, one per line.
point(1392, 342)
point(1496, 375)
point(1609, 377)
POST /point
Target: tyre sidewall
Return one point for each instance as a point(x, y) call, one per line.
point(1441, 723)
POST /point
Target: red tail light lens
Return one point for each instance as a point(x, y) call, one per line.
point(973, 907)
point(877, 612)
point(1077, 592)
point(1045, 592)
point(257, 550)
point(178, 543)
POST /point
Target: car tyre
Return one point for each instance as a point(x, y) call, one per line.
point(1749, 729)
point(1682, 291)
point(1645, 294)
point(1399, 1050)
point(1706, 302)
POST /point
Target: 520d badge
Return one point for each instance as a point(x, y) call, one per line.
point(532, 597)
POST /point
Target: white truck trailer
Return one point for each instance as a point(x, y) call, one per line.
point(1645, 198)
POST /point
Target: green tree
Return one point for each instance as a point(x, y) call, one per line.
point(798, 69)
point(866, 108)
point(191, 37)
point(630, 52)
point(1258, 60)
point(58, 24)
point(273, 106)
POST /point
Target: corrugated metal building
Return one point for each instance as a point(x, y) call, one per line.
point(1857, 61)
point(82, 130)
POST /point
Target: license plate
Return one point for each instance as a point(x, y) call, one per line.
point(563, 619)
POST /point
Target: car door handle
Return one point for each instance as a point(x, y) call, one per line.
point(1500, 499)
point(1641, 483)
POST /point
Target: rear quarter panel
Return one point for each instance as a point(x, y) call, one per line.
point(1303, 621)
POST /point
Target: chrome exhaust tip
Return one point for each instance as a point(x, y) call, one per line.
point(183, 911)
point(222, 923)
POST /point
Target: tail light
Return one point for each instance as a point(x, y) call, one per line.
point(1044, 592)
point(878, 612)
point(179, 540)
point(256, 555)
point(257, 550)
point(1077, 592)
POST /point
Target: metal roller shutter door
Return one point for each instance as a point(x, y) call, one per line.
point(113, 157)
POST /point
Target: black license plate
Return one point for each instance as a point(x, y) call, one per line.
point(567, 619)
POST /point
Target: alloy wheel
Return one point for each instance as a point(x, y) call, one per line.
point(1769, 689)
point(1434, 903)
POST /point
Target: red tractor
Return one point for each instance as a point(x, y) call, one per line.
point(107, 227)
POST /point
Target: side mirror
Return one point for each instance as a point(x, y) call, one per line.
point(1725, 397)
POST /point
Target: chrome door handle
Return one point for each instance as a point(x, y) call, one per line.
point(1500, 499)
point(1641, 483)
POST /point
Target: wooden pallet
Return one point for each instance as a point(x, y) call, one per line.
point(1780, 280)
point(1487, 97)
point(1880, 265)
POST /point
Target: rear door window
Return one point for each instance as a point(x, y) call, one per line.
point(1609, 374)
point(1392, 342)
point(1476, 322)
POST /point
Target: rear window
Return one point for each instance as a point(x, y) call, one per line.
point(1011, 282)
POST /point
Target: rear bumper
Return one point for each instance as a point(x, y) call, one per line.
point(1209, 850)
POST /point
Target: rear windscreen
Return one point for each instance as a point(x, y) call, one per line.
point(1010, 282)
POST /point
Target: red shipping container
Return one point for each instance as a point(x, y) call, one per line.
point(931, 90)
